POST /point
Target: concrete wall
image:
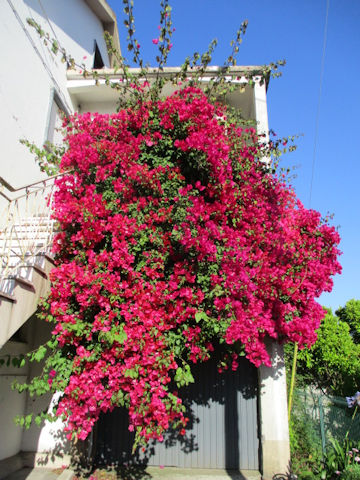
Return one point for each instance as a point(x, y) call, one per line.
point(30, 73)
point(49, 437)
point(46, 445)
point(12, 403)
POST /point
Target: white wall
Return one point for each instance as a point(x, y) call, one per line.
point(75, 26)
point(12, 403)
point(29, 72)
point(49, 437)
point(48, 441)
point(29, 75)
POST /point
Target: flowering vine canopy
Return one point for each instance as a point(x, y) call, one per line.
point(175, 238)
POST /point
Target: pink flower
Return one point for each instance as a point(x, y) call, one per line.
point(144, 247)
point(155, 41)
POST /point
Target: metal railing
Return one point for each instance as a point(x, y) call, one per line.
point(26, 226)
point(321, 417)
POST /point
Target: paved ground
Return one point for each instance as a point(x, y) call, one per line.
point(151, 473)
point(199, 474)
point(34, 474)
point(41, 474)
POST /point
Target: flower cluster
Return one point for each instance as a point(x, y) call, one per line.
point(174, 238)
point(354, 400)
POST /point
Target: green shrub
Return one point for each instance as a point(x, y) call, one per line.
point(306, 475)
point(351, 472)
point(305, 442)
point(340, 458)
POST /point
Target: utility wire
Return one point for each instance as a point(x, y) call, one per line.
point(319, 100)
point(48, 20)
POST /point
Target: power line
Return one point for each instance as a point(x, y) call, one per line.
point(319, 100)
point(48, 20)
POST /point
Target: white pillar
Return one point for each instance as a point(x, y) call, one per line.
point(273, 414)
point(261, 113)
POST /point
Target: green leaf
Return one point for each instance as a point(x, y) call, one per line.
point(183, 376)
point(38, 420)
point(132, 373)
point(40, 353)
point(201, 316)
point(120, 337)
point(28, 420)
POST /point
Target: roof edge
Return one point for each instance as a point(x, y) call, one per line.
point(102, 10)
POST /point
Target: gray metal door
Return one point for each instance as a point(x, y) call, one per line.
point(222, 432)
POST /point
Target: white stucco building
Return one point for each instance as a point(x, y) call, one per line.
point(34, 86)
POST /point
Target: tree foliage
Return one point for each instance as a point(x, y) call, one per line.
point(333, 362)
point(350, 314)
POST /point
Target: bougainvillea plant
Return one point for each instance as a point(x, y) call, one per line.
point(175, 236)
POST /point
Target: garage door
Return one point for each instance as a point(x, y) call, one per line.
point(222, 432)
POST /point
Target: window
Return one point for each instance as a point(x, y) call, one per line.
point(57, 110)
point(98, 61)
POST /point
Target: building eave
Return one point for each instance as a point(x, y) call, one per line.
point(88, 95)
point(108, 19)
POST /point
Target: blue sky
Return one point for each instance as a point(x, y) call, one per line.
point(293, 30)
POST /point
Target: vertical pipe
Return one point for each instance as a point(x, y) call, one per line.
point(292, 382)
